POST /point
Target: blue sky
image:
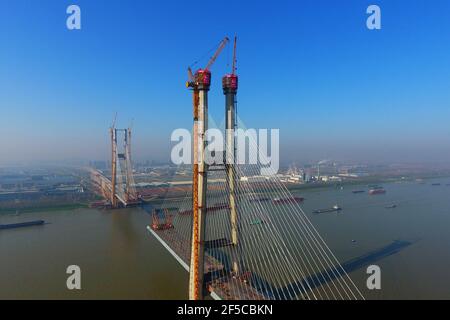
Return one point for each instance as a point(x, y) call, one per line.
point(310, 68)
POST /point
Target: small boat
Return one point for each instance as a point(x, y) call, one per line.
point(378, 190)
point(435, 184)
point(358, 191)
point(257, 222)
point(335, 208)
point(392, 206)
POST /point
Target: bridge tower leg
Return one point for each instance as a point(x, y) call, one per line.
point(113, 199)
point(127, 180)
point(129, 192)
point(199, 183)
point(230, 86)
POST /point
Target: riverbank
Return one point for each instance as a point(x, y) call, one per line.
point(51, 208)
point(361, 182)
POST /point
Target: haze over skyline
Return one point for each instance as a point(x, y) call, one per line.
point(335, 89)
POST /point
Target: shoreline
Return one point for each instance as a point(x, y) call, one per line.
point(323, 185)
point(291, 187)
point(59, 207)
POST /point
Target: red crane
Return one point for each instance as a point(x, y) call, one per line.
point(230, 81)
point(202, 78)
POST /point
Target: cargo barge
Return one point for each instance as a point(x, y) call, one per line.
point(259, 200)
point(288, 200)
point(22, 224)
point(213, 208)
point(335, 208)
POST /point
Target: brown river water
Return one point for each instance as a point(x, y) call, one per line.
point(119, 259)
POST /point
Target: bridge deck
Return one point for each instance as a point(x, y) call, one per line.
point(226, 288)
point(178, 247)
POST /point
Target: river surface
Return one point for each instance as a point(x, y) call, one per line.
point(119, 259)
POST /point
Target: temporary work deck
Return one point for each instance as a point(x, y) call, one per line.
point(233, 288)
point(227, 288)
point(179, 248)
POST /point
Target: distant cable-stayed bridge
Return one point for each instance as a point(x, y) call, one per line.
point(120, 190)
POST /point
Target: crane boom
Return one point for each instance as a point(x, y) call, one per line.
point(233, 68)
point(190, 74)
point(113, 125)
point(202, 78)
point(222, 45)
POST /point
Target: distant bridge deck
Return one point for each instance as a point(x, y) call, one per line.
point(103, 187)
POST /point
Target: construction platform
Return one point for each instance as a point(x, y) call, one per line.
point(233, 288)
point(179, 248)
point(229, 287)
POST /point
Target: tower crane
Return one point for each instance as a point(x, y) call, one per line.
point(199, 83)
point(230, 81)
point(203, 76)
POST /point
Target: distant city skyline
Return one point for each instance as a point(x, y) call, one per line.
point(335, 89)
